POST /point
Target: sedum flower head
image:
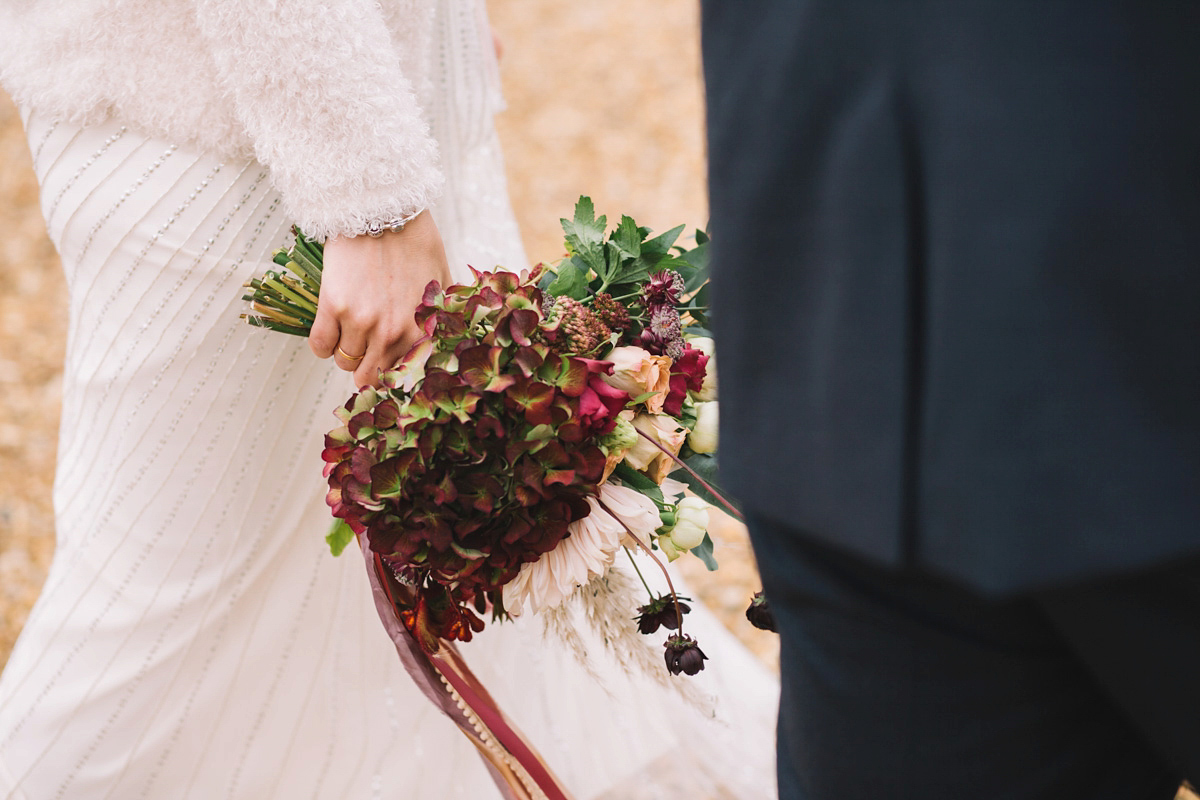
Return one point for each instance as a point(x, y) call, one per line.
point(576, 329)
point(611, 312)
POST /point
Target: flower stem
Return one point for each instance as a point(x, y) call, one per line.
point(707, 486)
point(661, 566)
point(636, 569)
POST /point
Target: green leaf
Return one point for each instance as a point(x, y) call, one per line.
point(702, 237)
point(636, 480)
point(700, 299)
point(705, 465)
point(704, 552)
point(628, 237)
point(697, 257)
point(571, 282)
point(641, 398)
point(585, 235)
point(662, 243)
point(339, 536)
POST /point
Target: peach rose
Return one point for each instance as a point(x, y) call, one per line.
point(637, 372)
point(644, 456)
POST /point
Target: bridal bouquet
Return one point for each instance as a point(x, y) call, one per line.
point(544, 423)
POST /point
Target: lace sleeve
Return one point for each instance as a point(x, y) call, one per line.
point(319, 88)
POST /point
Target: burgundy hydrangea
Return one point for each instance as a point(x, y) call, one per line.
point(475, 456)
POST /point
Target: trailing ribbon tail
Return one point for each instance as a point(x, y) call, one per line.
point(445, 679)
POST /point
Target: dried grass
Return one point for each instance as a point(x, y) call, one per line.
point(605, 605)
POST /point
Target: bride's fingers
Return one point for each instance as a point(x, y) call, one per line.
point(366, 372)
point(387, 358)
point(350, 351)
point(325, 333)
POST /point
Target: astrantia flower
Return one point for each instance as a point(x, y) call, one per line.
point(663, 289)
point(663, 334)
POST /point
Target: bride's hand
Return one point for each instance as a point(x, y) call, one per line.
point(370, 288)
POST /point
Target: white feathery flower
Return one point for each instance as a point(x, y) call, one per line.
point(585, 553)
point(636, 510)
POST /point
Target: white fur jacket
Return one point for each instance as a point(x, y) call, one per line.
point(323, 92)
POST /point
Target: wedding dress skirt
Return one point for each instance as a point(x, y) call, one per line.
point(195, 639)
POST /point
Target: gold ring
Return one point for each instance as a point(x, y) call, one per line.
point(349, 357)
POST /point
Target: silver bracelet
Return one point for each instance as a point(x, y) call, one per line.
point(376, 228)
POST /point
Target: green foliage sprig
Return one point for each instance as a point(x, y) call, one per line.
point(621, 261)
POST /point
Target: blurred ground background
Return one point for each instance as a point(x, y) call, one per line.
point(604, 99)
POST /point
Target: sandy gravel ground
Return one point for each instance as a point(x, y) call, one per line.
point(604, 99)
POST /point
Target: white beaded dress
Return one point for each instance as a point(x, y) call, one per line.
point(194, 638)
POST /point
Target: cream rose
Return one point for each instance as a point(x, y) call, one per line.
point(638, 372)
point(691, 523)
point(703, 438)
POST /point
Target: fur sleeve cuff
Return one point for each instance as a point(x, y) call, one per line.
point(319, 89)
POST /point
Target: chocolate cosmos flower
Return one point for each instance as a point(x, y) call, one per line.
point(660, 613)
point(684, 655)
point(759, 613)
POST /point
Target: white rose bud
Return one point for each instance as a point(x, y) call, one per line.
point(703, 439)
point(691, 523)
point(708, 390)
point(668, 547)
